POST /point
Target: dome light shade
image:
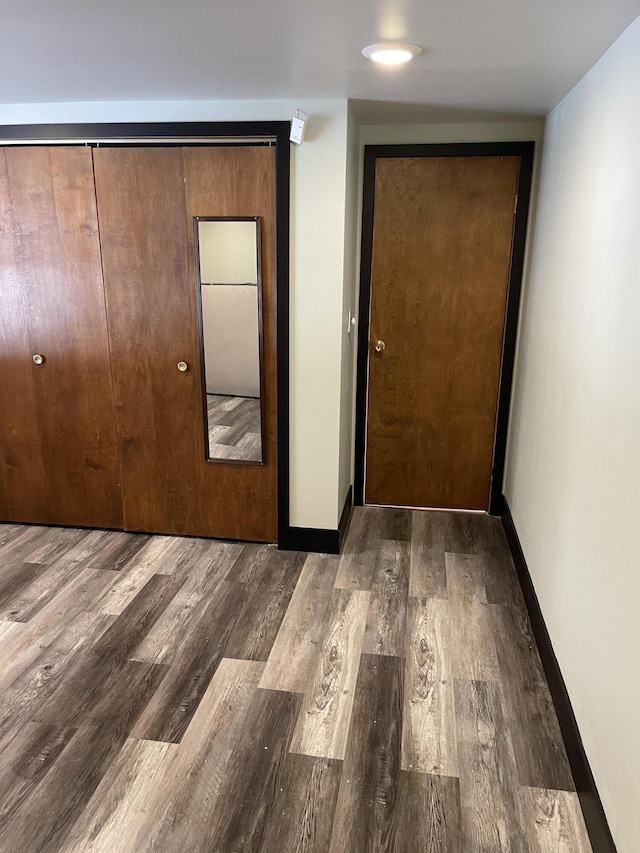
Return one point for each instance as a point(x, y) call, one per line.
point(391, 54)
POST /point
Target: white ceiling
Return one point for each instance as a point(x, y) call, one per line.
point(509, 56)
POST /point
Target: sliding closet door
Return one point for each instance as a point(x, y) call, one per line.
point(147, 201)
point(58, 459)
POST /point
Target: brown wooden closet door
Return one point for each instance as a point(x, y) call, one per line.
point(442, 238)
point(146, 200)
point(58, 460)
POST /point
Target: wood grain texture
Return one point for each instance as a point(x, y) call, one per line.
point(59, 463)
point(134, 730)
point(427, 576)
point(368, 806)
point(119, 806)
point(386, 620)
point(323, 724)
point(180, 806)
point(429, 737)
point(540, 754)
point(432, 393)
point(301, 816)
point(147, 198)
point(291, 662)
point(430, 814)
point(556, 821)
point(256, 768)
point(491, 815)
point(473, 651)
point(360, 553)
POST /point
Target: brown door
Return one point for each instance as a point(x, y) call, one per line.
point(58, 456)
point(147, 199)
point(442, 238)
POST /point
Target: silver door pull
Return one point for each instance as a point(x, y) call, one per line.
point(182, 366)
point(38, 359)
point(379, 346)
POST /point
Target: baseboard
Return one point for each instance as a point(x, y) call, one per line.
point(594, 816)
point(345, 518)
point(319, 540)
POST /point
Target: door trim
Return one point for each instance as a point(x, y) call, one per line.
point(208, 133)
point(372, 153)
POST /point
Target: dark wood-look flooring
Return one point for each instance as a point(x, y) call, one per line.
point(235, 430)
point(174, 694)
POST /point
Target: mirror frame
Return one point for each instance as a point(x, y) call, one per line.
point(205, 412)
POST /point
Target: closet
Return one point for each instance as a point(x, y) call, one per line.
point(104, 411)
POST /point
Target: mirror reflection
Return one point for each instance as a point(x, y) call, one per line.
point(228, 253)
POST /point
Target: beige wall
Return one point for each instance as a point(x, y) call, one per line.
point(574, 460)
point(318, 175)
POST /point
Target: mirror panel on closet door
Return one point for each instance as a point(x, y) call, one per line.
point(229, 293)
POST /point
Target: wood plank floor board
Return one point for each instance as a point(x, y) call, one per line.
point(398, 705)
point(193, 665)
point(473, 651)
point(13, 582)
point(556, 821)
point(429, 736)
point(265, 604)
point(301, 816)
point(427, 574)
point(460, 532)
point(25, 643)
point(87, 676)
point(30, 752)
point(205, 575)
point(360, 552)
point(535, 732)
point(118, 809)
point(429, 814)
point(368, 807)
point(53, 579)
point(254, 563)
point(323, 724)
point(395, 524)
point(256, 768)
point(117, 550)
point(294, 653)
point(492, 817)
point(387, 616)
point(47, 670)
point(180, 807)
point(54, 545)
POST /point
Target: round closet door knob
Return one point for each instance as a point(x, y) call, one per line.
point(38, 359)
point(182, 366)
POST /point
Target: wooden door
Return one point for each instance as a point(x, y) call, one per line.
point(147, 198)
point(441, 255)
point(58, 456)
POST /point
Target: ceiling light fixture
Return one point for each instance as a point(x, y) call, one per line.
point(391, 54)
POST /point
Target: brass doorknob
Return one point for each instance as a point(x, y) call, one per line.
point(38, 359)
point(182, 366)
point(379, 346)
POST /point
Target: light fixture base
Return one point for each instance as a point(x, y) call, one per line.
point(392, 53)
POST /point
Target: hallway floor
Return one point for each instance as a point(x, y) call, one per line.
point(172, 694)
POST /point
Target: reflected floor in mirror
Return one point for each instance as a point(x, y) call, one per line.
point(234, 428)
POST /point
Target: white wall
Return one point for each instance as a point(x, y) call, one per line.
point(573, 473)
point(317, 259)
point(349, 307)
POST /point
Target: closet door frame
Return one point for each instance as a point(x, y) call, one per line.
point(274, 133)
